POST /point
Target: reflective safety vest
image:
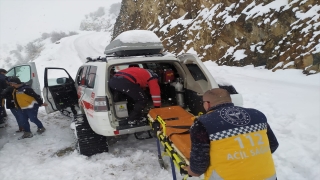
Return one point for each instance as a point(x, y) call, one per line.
point(22, 100)
point(239, 145)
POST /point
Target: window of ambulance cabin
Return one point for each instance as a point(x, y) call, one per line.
point(81, 77)
point(125, 66)
point(78, 78)
point(196, 72)
point(152, 66)
point(91, 76)
point(22, 72)
point(56, 77)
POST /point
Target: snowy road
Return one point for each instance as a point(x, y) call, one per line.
point(91, 45)
point(290, 100)
point(71, 52)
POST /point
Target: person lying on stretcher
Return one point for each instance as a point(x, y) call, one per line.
point(231, 142)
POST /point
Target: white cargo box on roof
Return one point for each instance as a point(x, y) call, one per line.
point(134, 43)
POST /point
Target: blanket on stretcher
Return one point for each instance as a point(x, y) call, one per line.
point(177, 122)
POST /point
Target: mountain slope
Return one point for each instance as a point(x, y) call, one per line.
point(277, 34)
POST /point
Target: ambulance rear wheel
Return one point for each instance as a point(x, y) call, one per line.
point(88, 142)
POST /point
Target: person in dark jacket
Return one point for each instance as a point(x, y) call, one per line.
point(7, 94)
point(132, 82)
point(28, 102)
point(231, 142)
point(3, 86)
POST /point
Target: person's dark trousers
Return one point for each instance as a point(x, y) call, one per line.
point(3, 108)
point(32, 114)
point(15, 112)
point(2, 111)
point(132, 90)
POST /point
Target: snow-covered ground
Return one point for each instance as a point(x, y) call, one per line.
point(290, 100)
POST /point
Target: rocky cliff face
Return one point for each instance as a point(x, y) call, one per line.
point(279, 34)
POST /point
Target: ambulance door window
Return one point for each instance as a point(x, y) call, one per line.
point(22, 72)
point(196, 72)
point(78, 77)
point(82, 76)
point(91, 77)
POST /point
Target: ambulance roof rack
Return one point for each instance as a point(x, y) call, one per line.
point(135, 43)
point(98, 59)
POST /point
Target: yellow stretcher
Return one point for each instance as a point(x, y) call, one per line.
point(171, 125)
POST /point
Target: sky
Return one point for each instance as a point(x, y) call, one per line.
point(289, 99)
point(22, 21)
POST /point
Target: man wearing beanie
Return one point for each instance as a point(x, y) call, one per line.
point(3, 85)
point(28, 102)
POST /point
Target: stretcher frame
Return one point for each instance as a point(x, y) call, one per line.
point(169, 149)
point(177, 158)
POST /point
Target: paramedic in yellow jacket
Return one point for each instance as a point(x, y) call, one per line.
point(27, 103)
point(231, 142)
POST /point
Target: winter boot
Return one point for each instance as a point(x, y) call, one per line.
point(20, 129)
point(41, 130)
point(26, 135)
point(143, 120)
point(132, 122)
point(2, 123)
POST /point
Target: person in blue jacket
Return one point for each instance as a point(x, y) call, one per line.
point(231, 142)
point(28, 102)
point(3, 86)
point(7, 94)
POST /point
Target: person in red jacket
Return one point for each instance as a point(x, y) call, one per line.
point(132, 82)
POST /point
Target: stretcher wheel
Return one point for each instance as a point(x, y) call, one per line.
point(161, 162)
point(155, 128)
